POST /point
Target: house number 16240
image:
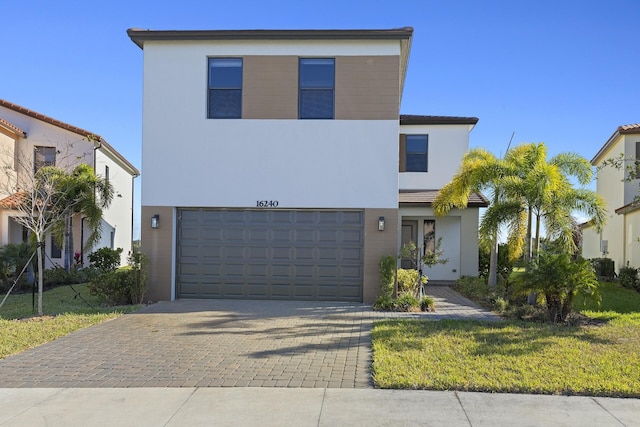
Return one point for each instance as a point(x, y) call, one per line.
point(266, 203)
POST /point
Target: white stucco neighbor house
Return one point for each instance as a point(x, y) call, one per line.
point(619, 237)
point(276, 165)
point(28, 137)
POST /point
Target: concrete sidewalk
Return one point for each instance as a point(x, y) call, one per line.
point(303, 407)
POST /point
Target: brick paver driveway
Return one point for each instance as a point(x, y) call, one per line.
point(211, 343)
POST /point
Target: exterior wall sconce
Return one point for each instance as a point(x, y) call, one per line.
point(381, 223)
point(155, 221)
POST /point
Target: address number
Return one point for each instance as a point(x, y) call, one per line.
point(266, 203)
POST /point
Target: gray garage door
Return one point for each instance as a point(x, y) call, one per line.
point(270, 254)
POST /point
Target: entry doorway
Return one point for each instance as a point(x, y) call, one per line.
point(409, 234)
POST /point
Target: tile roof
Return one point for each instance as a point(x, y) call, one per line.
point(12, 128)
point(426, 197)
point(413, 119)
point(12, 201)
point(70, 128)
point(629, 129)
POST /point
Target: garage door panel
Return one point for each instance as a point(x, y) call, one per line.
point(270, 254)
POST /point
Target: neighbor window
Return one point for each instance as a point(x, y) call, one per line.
point(56, 251)
point(317, 84)
point(417, 153)
point(225, 88)
point(43, 156)
point(106, 173)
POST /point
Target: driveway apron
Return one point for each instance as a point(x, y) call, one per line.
point(215, 343)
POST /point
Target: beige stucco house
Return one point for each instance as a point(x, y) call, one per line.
point(30, 138)
point(619, 238)
point(276, 164)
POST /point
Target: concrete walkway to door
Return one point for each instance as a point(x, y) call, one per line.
point(219, 343)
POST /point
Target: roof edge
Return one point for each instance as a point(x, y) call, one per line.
point(99, 141)
point(139, 36)
point(414, 119)
point(620, 130)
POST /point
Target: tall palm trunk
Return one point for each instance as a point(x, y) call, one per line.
point(493, 262)
point(527, 254)
point(68, 242)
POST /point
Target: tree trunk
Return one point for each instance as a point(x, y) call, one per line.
point(68, 242)
point(493, 263)
point(527, 254)
point(537, 236)
point(40, 276)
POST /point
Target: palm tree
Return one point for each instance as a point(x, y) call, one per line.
point(548, 195)
point(88, 195)
point(481, 171)
point(524, 185)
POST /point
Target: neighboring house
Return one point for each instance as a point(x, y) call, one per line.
point(276, 165)
point(28, 137)
point(619, 237)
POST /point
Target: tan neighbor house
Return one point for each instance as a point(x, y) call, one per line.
point(276, 164)
point(619, 237)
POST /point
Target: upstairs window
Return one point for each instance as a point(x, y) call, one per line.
point(317, 85)
point(225, 88)
point(43, 156)
point(417, 153)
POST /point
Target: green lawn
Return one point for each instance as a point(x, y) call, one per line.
point(64, 313)
point(514, 356)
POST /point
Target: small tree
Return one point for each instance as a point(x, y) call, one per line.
point(43, 197)
point(429, 259)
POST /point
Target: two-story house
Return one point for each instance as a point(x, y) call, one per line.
point(30, 138)
point(276, 164)
point(619, 237)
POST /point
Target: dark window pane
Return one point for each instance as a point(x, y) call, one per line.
point(225, 103)
point(317, 73)
point(316, 104)
point(416, 162)
point(225, 73)
point(416, 143)
point(43, 156)
point(56, 251)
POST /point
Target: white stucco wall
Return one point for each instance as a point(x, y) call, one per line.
point(459, 232)
point(447, 144)
point(119, 216)
point(189, 160)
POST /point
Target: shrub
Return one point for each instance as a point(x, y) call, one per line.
point(427, 304)
point(497, 298)
point(387, 275)
point(407, 302)
point(105, 259)
point(13, 258)
point(504, 267)
point(123, 286)
point(384, 303)
point(628, 277)
point(407, 280)
point(58, 276)
point(559, 277)
point(604, 267)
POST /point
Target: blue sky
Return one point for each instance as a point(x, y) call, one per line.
point(561, 72)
